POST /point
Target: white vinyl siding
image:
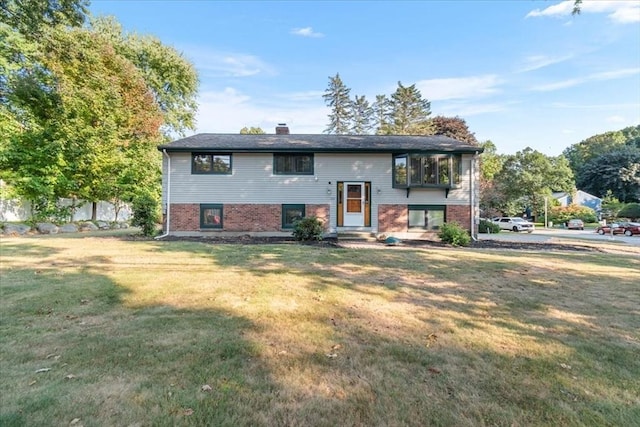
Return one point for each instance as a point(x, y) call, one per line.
point(252, 181)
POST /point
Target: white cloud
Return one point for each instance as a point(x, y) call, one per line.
point(306, 32)
point(535, 62)
point(607, 75)
point(618, 11)
point(214, 63)
point(310, 95)
point(466, 109)
point(229, 110)
point(458, 88)
point(615, 119)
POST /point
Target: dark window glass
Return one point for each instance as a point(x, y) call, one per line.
point(400, 171)
point(211, 216)
point(208, 163)
point(293, 164)
point(290, 214)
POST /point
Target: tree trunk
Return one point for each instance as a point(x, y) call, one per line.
point(94, 211)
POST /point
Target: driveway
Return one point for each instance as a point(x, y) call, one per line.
point(546, 235)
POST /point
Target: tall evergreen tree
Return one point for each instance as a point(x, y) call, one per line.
point(382, 114)
point(410, 112)
point(362, 116)
point(336, 96)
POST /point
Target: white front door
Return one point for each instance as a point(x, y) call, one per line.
point(353, 203)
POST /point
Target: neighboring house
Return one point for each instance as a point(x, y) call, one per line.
point(260, 184)
point(580, 198)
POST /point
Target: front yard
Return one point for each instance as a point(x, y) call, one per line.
point(104, 331)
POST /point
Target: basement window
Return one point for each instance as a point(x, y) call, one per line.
point(211, 216)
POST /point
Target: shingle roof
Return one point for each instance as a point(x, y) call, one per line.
point(319, 143)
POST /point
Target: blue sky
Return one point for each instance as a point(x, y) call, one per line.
point(522, 73)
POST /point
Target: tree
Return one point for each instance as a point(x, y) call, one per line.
point(617, 171)
point(453, 127)
point(583, 152)
point(362, 116)
point(252, 131)
point(33, 17)
point(83, 109)
point(631, 210)
point(492, 200)
point(172, 78)
point(382, 114)
point(409, 112)
point(91, 115)
point(336, 96)
point(528, 176)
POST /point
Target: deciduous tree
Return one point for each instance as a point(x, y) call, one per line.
point(454, 127)
point(252, 131)
point(528, 176)
point(617, 171)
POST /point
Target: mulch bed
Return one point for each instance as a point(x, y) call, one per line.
point(334, 242)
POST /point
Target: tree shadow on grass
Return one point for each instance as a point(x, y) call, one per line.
point(536, 305)
point(402, 338)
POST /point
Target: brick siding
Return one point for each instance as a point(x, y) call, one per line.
point(241, 217)
point(460, 214)
point(393, 218)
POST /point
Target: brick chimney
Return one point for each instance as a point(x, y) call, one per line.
point(282, 129)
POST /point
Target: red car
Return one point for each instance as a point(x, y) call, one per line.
point(630, 228)
point(610, 228)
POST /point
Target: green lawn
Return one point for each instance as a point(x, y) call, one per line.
point(103, 331)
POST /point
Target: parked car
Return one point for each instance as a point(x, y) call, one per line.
point(575, 224)
point(514, 223)
point(630, 228)
point(610, 228)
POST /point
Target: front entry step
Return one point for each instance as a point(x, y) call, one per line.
point(363, 236)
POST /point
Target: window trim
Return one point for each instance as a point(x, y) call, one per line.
point(276, 155)
point(212, 154)
point(423, 208)
point(287, 206)
point(203, 207)
point(438, 157)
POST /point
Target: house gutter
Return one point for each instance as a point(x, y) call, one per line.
point(472, 173)
point(164, 152)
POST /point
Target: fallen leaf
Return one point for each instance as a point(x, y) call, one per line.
point(332, 355)
point(69, 377)
point(187, 412)
point(206, 387)
point(336, 347)
point(434, 370)
point(74, 421)
point(565, 366)
point(33, 382)
point(42, 370)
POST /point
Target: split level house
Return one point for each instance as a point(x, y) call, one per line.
point(261, 184)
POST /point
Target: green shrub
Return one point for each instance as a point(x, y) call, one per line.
point(308, 228)
point(630, 210)
point(562, 214)
point(145, 213)
point(487, 226)
point(454, 234)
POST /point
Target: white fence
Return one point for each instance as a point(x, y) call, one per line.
point(19, 210)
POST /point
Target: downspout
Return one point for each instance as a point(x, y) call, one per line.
point(166, 233)
point(472, 204)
